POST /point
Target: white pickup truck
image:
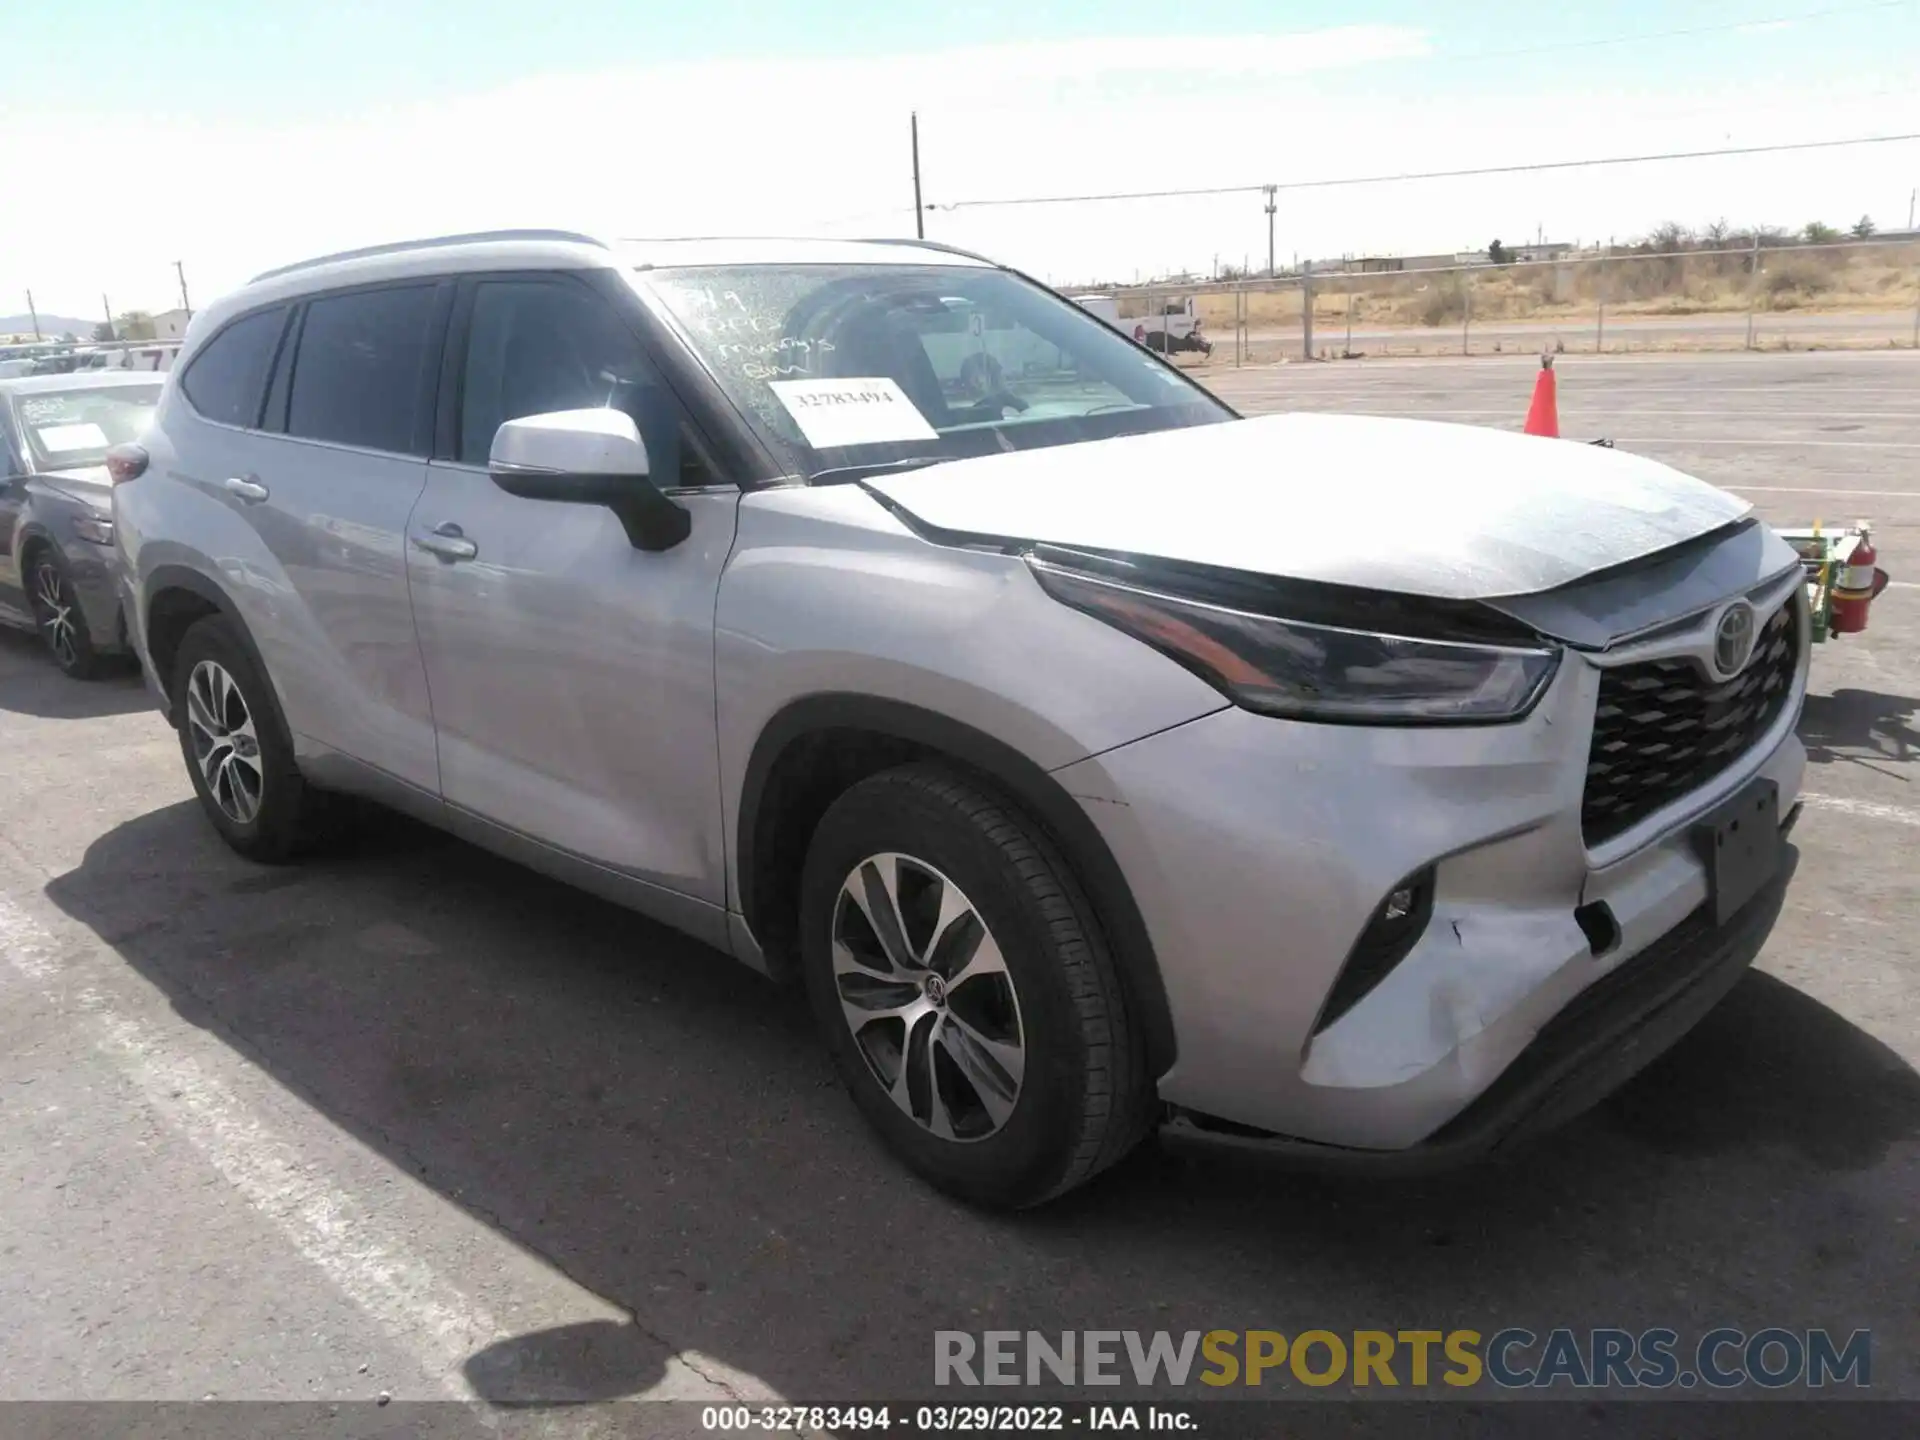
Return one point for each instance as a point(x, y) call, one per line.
point(1175, 327)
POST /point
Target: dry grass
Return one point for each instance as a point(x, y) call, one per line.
point(1848, 280)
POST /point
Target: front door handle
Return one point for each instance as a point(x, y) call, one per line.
point(448, 541)
point(247, 488)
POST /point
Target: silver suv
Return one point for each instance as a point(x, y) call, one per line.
point(1096, 758)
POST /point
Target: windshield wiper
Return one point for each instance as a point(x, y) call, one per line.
point(840, 474)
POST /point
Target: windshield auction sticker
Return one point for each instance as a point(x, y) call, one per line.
point(62, 439)
point(872, 411)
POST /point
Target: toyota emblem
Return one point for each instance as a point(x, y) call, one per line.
point(1733, 640)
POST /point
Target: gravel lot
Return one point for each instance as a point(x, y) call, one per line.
point(415, 1122)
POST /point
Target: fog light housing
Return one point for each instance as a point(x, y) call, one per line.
point(1395, 927)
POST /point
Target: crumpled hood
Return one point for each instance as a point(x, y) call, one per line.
point(1414, 507)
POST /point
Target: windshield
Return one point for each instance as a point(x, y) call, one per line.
point(858, 367)
point(69, 429)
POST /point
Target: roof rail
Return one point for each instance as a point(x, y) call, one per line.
point(905, 240)
point(400, 247)
point(930, 245)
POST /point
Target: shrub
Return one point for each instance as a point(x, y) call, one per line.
point(1444, 304)
point(1797, 276)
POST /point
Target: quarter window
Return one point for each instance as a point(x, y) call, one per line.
point(357, 376)
point(226, 378)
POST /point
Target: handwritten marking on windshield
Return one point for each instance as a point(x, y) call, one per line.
point(741, 325)
point(733, 349)
point(718, 299)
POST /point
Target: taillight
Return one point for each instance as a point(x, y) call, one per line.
point(126, 462)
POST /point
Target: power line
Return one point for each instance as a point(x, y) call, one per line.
point(1427, 174)
point(1115, 195)
point(1609, 160)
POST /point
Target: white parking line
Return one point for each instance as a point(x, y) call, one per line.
point(423, 1312)
point(1865, 809)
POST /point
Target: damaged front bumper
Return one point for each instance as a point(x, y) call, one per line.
point(1548, 970)
point(1611, 1031)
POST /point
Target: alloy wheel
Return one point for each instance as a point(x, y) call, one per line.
point(225, 745)
point(56, 614)
point(925, 990)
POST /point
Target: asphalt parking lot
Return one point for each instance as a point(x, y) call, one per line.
point(411, 1121)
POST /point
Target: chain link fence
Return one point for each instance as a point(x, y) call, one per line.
point(1763, 295)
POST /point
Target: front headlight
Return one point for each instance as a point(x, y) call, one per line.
point(1318, 672)
point(96, 528)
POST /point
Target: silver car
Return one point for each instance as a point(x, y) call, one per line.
point(1097, 759)
point(56, 510)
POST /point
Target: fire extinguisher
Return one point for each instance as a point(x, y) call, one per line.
point(1860, 581)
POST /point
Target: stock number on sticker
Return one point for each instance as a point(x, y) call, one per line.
point(993, 1419)
point(802, 1418)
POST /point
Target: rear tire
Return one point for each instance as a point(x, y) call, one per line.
point(238, 753)
point(57, 614)
point(986, 1034)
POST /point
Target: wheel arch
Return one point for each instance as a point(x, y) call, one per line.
point(173, 598)
point(32, 535)
point(814, 748)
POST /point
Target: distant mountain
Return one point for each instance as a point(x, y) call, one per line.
point(51, 326)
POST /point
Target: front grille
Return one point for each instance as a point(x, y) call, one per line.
point(1663, 729)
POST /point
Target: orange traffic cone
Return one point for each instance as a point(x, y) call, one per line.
point(1543, 415)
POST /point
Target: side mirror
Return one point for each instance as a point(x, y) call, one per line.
point(588, 457)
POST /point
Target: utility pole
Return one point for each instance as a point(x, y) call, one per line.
point(1306, 311)
point(185, 304)
point(1272, 205)
point(1600, 297)
point(107, 310)
point(1912, 195)
point(919, 210)
point(31, 310)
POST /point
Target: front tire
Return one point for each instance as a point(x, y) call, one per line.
point(238, 753)
point(56, 611)
point(965, 990)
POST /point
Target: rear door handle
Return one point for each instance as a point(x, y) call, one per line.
point(249, 490)
point(448, 541)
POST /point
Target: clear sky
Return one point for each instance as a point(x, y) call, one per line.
point(237, 134)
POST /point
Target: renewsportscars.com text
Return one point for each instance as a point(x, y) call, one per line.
point(1512, 1358)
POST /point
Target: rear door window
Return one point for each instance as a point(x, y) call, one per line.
point(227, 379)
point(358, 372)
